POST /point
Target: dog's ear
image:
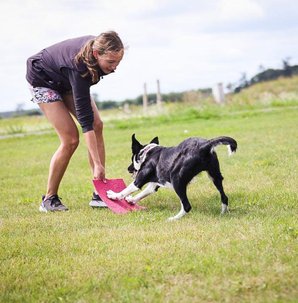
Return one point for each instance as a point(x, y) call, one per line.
point(135, 145)
point(155, 140)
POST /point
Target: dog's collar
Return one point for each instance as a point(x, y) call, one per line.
point(142, 155)
point(145, 150)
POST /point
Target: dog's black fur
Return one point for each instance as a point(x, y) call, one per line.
point(175, 167)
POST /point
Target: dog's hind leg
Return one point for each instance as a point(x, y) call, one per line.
point(181, 213)
point(150, 189)
point(217, 178)
point(180, 189)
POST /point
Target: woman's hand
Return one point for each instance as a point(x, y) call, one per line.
point(99, 172)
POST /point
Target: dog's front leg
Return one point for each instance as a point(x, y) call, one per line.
point(150, 189)
point(125, 192)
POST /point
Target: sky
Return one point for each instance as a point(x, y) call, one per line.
point(184, 44)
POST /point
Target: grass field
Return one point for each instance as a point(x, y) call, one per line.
point(86, 255)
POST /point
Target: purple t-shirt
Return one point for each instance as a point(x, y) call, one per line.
point(54, 67)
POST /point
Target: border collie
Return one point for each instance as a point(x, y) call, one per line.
point(174, 167)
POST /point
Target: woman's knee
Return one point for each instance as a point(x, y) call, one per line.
point(70, 144)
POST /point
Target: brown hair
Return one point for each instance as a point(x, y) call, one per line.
point(105, 42)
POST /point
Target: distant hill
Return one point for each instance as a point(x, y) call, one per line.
point(266, 75)
point(279, 91)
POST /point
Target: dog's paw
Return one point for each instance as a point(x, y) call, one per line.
point(224, 209)
point(112, 195)
point(172, 219)
point(181, 214)
point(130, 199)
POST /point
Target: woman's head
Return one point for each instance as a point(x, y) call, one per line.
point(105, 51)
point(108, 50)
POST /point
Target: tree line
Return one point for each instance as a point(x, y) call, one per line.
point(263, 75)
point(170, 97)
point(287, 70)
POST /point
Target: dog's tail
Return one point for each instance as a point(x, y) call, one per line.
point(210, 145)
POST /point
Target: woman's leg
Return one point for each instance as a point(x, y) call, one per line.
point(58, 115)
point(98, 129)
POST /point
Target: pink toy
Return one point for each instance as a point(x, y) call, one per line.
point(116, 185)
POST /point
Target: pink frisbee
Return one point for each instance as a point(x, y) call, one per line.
point(116, 185)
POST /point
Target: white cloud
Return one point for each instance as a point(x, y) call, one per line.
point(186, 44)
point(240, 10)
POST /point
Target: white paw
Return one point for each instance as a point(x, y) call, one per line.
point(224, 209)
point(130, 199)
point(112, 195)
point(181, 213)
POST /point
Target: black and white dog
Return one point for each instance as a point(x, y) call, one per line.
point(174, 167)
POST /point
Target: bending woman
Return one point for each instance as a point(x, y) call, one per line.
point(60, 77)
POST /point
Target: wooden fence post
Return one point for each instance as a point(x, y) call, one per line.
point(218, 93)
point(158, 95)
point(145, 99)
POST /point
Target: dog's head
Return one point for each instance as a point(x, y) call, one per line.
point(137, 150)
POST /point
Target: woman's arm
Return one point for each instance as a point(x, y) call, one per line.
point(85, 116)
point(99, 170)
point(82, 101)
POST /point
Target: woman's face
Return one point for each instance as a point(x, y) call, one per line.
point(108, 62)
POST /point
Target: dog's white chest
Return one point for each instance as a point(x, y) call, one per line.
point(166, 185)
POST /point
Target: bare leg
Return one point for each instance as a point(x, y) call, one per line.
point(58, 115)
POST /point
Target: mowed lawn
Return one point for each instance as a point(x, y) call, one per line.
point(87, 255)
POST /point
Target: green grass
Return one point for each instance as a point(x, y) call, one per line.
point(276, 92)
point(87, 255)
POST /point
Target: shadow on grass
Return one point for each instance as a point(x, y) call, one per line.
point(240, 204)
point(212, 205)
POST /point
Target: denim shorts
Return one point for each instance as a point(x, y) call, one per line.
point(44, 95)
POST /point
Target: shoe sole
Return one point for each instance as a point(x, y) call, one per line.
point(44, 210)
point(97, 204)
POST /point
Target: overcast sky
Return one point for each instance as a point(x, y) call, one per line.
point(185, 44)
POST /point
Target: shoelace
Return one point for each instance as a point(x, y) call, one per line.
point(96, 197)
point(55, 200)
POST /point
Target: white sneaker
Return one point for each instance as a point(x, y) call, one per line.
point(96, 201)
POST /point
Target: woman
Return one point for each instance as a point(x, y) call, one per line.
point(60, 77)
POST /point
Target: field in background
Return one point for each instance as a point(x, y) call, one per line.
point(271, 94)
point(88, 255)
